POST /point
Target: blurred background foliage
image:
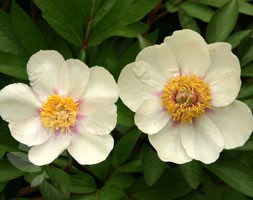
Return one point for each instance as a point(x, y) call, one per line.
point(110, 33)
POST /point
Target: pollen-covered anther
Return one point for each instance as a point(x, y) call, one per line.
point(59, 113)
point(186, 97)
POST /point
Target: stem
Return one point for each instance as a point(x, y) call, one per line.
point(87, 34)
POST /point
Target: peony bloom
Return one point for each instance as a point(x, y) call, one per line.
point(68, 106)
point(183, 92)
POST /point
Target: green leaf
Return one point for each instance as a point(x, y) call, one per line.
point(27, 32)
point(120, 20)
point(50, 192)
point(123, 181)
point(247, 71)
point(2, 186)
point(131, 167)
point(124, 147)
point(192, 173)
point(234, 174)
point(125, 115)
point(153, 167)
point(8, 171)
point(187, 22)
point(111, 192)
point(143, 42)
point(198, 11)
point(237, 37)
point(221, 25)
point(170, 186)
point(82, 183)
point(60, 178)
point(8, 40)
point(245, 8)
point(246, 91)
point(101, 170)
point(13, 65)
point(64, 17)
point(85, 197)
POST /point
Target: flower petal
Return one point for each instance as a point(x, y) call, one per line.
point(29, 131)
point(168, 145)
point(133, 92)
point(202, 140)
point(18, 101)
point(47, 152)
point(223, 75)
point(43, 69)
point(98, 116)
point(101, 84)
point(88, 149)
point(162, 62)
point(235, 123)
point(190, 50)
point(151, 117)
point(78, 73)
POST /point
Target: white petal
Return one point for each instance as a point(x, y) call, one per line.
point(223, 75)
point(235, 123)
point(202, 140)
point(190, 50)
point(133, 91)
point(47, 152)
point(168, 145)
point(163, 64)
point(29, 131)
point(151, 117)
point(88, 149)
point(98, 116)
point(101, 85)
point(18, 101)
point(43, 69)
point(79, 74)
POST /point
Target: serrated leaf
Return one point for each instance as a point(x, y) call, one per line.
point(192, 173)
point(13, 65)
point(26, 31)
point(198, 11)
point(124, 147)
point(221, 25)
point(64, 17)
point(8, 171)
point(234, 174)
point(153, 167)
point(187, 22)
point(82, 183)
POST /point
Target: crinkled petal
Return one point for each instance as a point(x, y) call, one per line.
point(18, 101)
point(151, 117)
point(97, 116)
point(190, 50)
point(168, 145)
point(43, 70)
point(29, 131)
point(88, 149)
point(133, 91)
point(78, 77)
point(202, 140)
point(235, 123)
point(162, 63)
point(101, 85)
point(47, 152)
point(223, 75)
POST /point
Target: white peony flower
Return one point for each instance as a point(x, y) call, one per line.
point(69, 106)
point(183, 92)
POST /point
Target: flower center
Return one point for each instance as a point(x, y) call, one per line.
point(186, 97)
point(59, 113)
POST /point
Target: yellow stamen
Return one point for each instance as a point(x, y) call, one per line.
point(186, 97)
point(59, 113)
